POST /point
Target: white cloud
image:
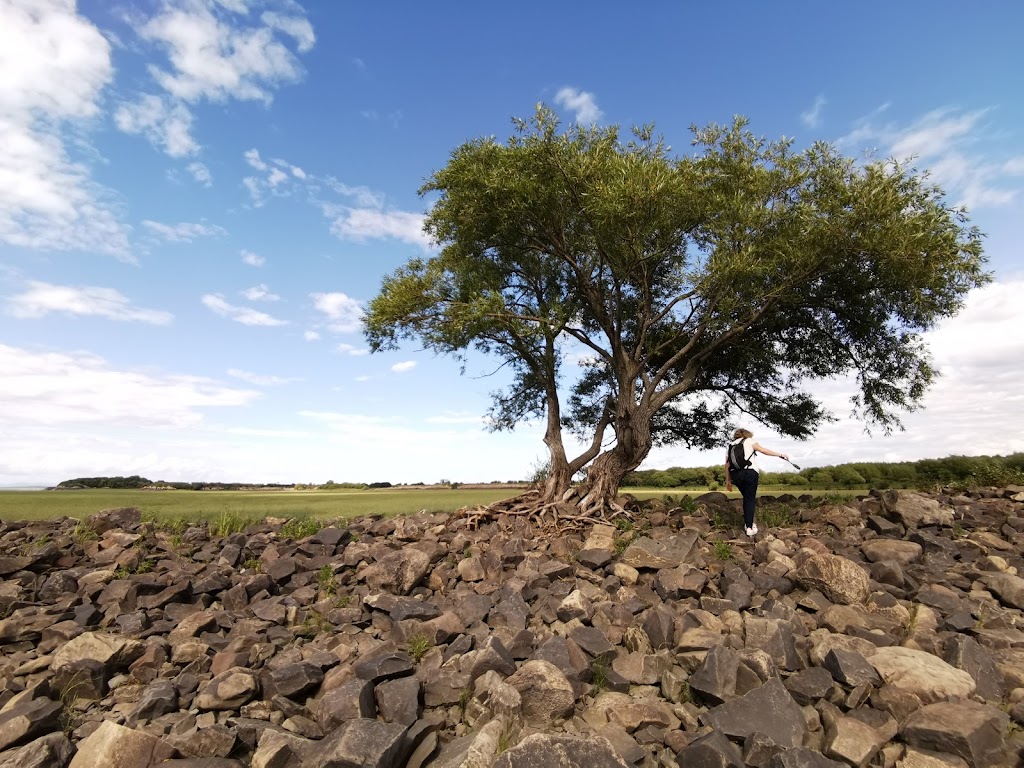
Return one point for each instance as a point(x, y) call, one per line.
point(1014, 166)
point(184, 232)
point(252, 157)
point(812, 117)
point(54, 65)
point(260, 293)
point(166, 123)
point(57, 388)
point(460, 417)
point(243, 315)
point(259, 379)
point(253, 260)
point(201, 173)
point(345, 313)
point(349, 349)
point(974, 408)
point(42, 298)
point(584, 104)
point(311, 336)
point(403, 367)
point(365, 223)
point(954, 145)
point(212, 56)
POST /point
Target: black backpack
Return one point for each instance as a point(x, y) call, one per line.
point(737, 459)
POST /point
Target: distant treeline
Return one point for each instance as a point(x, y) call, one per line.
point(135, 481)
point(953, 471)
point(964, 471)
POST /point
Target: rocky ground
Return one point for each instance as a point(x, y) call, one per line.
point(884, 632)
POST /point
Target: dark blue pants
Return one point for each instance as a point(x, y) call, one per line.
point(745, 481)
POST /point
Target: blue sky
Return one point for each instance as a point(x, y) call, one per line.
point(197, 197)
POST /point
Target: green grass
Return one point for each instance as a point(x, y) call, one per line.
point(231, 508)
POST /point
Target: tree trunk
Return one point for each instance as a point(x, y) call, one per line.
point(605, 475)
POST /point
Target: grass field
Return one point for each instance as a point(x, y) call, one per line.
point(255, 505)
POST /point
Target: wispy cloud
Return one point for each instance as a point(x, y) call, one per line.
point(311, 335)
point(812, 117)
point(201, 173)
point(583, 103)
point(58, 388)
point(184, 232)
point(353, 351)
point(403, 367)
point(954, 145)
point(260, 293)
point(362, 224)
point(216, 53)
point(43, 298)
point(252, 259)
point(343, 312)
point(259, 379)
point(276, 177)
point(243, 315)
point(55, 65)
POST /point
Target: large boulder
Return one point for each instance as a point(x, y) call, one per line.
point(840, 580)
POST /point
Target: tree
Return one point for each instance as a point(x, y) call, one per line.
point(703, 288)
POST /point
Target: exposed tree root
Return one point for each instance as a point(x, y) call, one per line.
point(555, 517)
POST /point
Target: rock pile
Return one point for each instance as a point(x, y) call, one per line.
point(881, 632)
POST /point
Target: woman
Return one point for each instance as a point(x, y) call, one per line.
point(746, 473)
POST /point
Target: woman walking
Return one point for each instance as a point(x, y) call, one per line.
point(741, 468)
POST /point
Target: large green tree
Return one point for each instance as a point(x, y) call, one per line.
point(702, 288)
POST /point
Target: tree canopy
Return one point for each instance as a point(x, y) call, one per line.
point(703, 288)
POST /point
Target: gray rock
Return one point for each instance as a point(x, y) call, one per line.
point(712, 750)
point(545, 691)
point(399, 701)
point(969, 730)
point(668, 552)
point(28, 719)
point(769, 710)
point(802, 757)
point(840, 580)
point(557, 751)
point(50, 751)
point(114, 746)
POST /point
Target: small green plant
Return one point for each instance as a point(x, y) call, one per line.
point(467, 552)
point(145, 566)
point(342, 601)
point(464, 698)
point(227, 524)
point(122, 572)
point(451, 561)
point(688, 505)
point(598, 675)
point(325, 580)
point(721, 519)
point(958, 530)
point(775, 517)
point(314, 624)
point(623, 542)
point(300, 527)
point(417, 645)
point(253, 564)
point(84, 532)
point(722, 550)
point(624, 524)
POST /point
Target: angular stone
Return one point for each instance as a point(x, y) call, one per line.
point(364, 743)
point(712, 750)
point(352, 700)
point(114, 746)
point(912, 510)
point(964, 652)
point(384, 666)
point(399, 701)
point(897, 550)
point(769, 710)
point(970, 730)
point(159, 698)
point(850, 668)
point(1007, 587)
point(669, 552)
point(50, 751)
point(114, 651)
point(28, 719)
point(840, 580)
point(292, 680)
point(926, 676)
point(398, 572)
point(809, 685)
point(852, 741)
point(545, 691)
point(558, 751)
point(228, 690)
point(715, 679)
point(802, 757)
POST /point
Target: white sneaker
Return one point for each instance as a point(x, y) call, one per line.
point(751, 531)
